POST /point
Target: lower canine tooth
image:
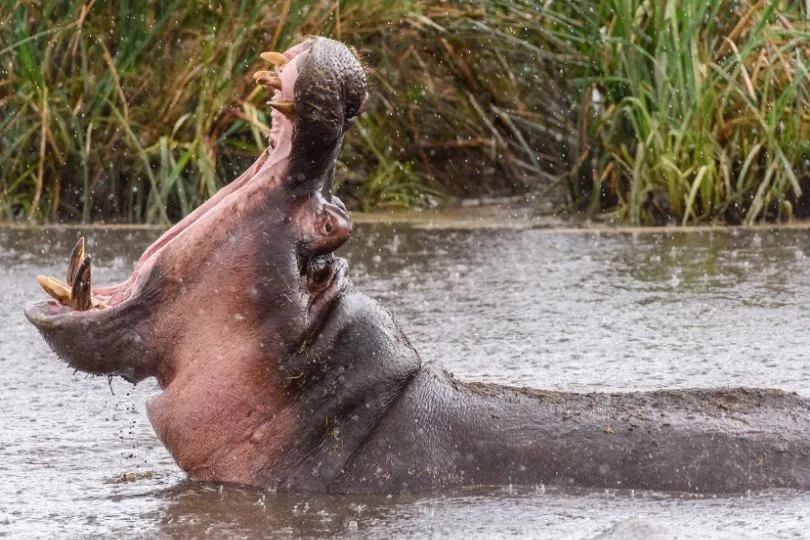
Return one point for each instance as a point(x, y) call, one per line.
point(80, 299)
point(55, 288)
point(76, 258)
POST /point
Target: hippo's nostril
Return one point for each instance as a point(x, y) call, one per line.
point(329, 227)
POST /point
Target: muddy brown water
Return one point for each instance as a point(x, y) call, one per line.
point(579, 312)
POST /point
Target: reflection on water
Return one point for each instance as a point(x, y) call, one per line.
point(533, 308)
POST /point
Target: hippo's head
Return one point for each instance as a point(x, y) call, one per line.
point(272, 367)
point(226, 309)
point(255, 260)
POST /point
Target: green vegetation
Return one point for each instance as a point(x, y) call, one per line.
point(138, 110)
point(704, 111)
point(673, 111)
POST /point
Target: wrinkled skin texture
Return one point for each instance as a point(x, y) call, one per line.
point(276, 373)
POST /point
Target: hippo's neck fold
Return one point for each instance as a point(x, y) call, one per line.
point(345, 381)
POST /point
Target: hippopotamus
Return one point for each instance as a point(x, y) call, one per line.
point(275, 372)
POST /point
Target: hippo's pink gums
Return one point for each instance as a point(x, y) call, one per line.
point(276, 373)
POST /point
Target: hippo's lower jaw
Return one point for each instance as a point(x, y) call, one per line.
point(101, 331)
point(277, 374)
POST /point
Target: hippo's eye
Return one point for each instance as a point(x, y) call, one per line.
point(320, 277)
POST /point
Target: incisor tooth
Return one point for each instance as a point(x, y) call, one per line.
point(275, 58)
point(285, 107)
point(55, 288)
point(76, 258)
point(268, 79)
point(80, 292)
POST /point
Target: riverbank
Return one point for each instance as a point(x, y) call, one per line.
point(482, 216)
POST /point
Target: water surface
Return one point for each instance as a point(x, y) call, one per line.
point(580, 312)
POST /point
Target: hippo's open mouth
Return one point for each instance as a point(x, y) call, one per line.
point(258, 254)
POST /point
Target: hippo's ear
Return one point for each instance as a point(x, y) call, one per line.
point(321, 226)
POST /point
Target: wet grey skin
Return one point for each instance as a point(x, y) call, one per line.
point(276, 373)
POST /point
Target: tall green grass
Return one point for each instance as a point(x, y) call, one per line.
point(120, 108)
point(678, 111)
point(136, 110)
point(703, 111)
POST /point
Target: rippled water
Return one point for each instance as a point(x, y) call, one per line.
point(587, 311)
